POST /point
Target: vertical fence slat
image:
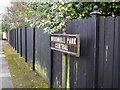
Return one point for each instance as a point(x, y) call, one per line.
point(30, 46)
point(23, 43)
point(15, 38)
point(82, 68)
point(118, 53)
point(83, 55)
point(69, 28)
point(9, 38)
point(34, 48)
point(12, 38)
point(43, 54)
point(109, 45)
point(78, 65)
point(57, 69)
point(115, 63)
point(101, 52)
point(17, 41)
point(56, 74)
point(90, 52)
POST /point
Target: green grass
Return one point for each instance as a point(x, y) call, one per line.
point(22, 74)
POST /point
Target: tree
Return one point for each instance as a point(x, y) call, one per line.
point(17, 15)
point(52, 16)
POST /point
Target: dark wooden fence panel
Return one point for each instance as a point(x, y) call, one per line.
point(101, 51)
point(116, 50)
point(78, 65)
point(118, 53)
point(12, 38)
point(19, 43)
point(23, 42)
point(17, 38)
point(12, 41)
point(43, 54)
point(108, 52)
point(90, 54)
point(56, 69)
point(83, 70)
point(30, 46)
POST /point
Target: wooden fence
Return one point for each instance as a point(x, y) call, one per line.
point(98, 64)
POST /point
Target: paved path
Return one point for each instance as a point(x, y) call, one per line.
point(5, 78)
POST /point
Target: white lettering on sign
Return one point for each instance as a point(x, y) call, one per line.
point(66, 43)
point(61, 46)
point(58, 39)
point(62, 40)
point(71, 40)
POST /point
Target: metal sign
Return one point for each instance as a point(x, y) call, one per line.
point(66, 43)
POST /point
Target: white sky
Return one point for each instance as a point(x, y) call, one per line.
point(3, 5)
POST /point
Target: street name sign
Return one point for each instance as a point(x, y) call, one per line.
point(66, 43)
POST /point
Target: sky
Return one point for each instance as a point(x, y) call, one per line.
point(3, 5)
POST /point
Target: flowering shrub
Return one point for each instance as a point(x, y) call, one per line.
point(52, 16)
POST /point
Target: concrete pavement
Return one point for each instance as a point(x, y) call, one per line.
point(5, 77)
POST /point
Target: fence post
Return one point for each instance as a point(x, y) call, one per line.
point(21, 41)
point(25, 44)
point(15, 38)
point(17, 42)
point(51, 71)
point(34, 48)
point(8, 37)
point(95, 15)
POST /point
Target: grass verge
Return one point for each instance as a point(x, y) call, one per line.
point(22, 74)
